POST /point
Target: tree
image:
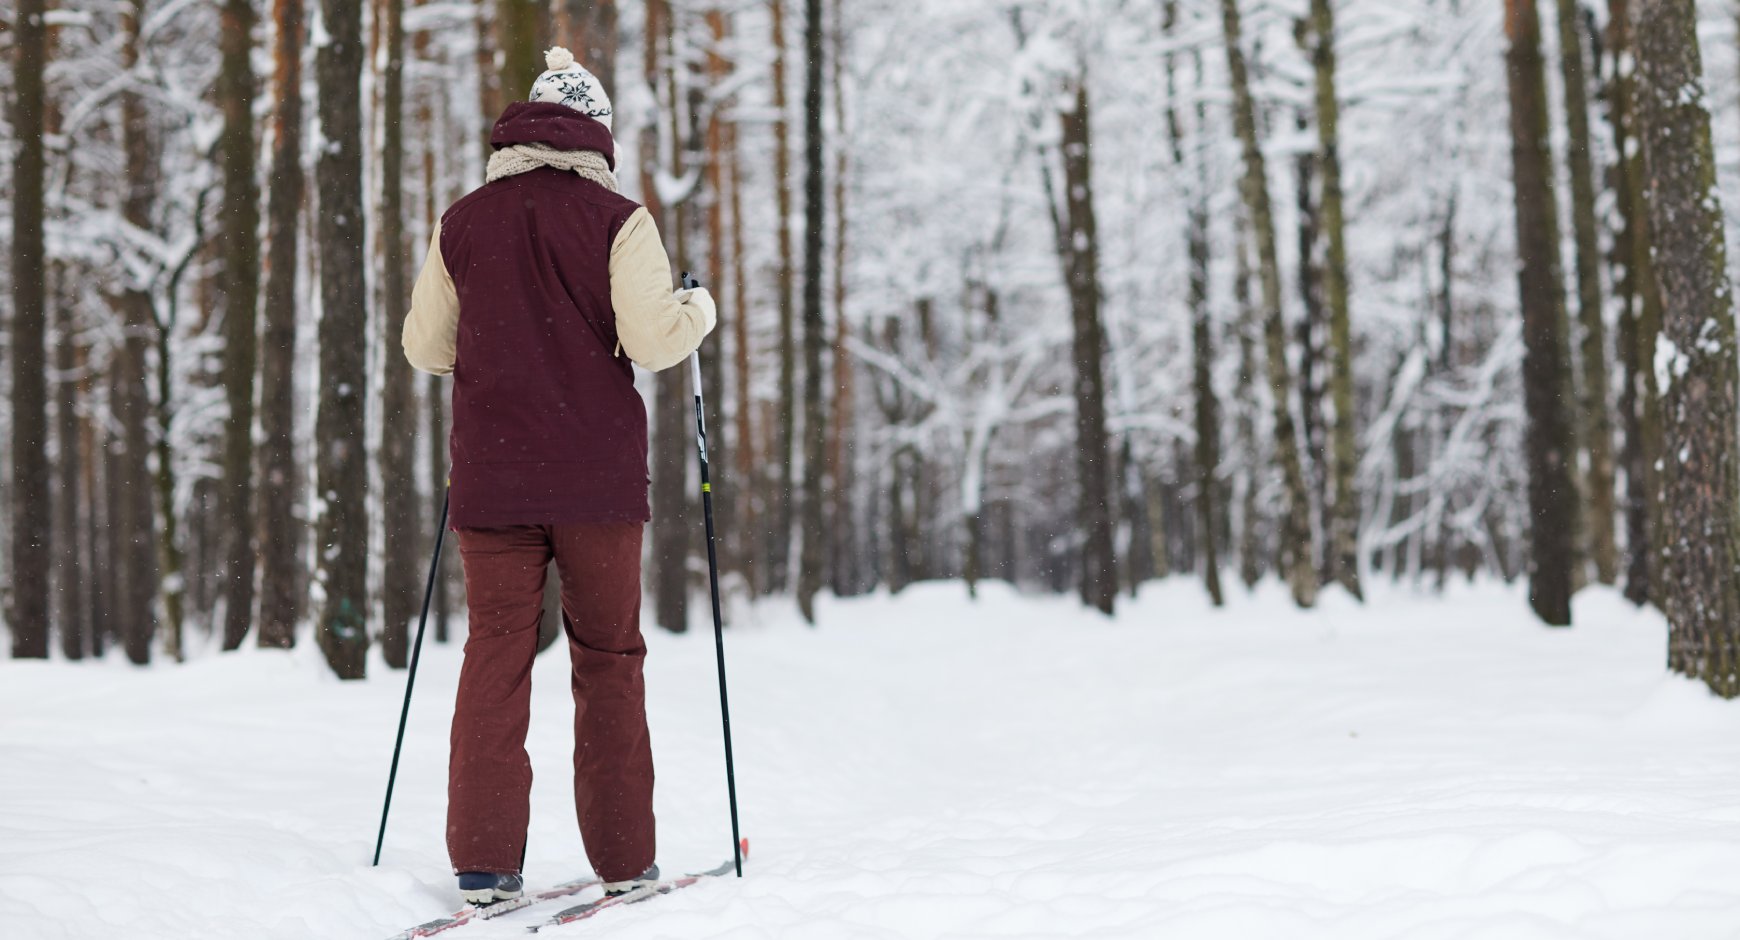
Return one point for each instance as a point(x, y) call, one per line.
point(280, 529)
point(30, 505)
point(671, 533)
point(1552, 493)
point(590, 26)
point(1207, 404)
point(341, 459)
point(1296, 563)
point(240, 220)
point(779, 533)
point(814, 548)
point(1342, 565)
point(399, 503)
point(1596, 430)
point(1078, 249)
point(1700, 587)
point(136, 606)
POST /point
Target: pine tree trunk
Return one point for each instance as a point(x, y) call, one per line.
point(341, 460)
point(70, 497)
point(713, 348)
point(743, 492)
point(136, 603)
point(1207, 405)
point(779, 535)
point(1639, 316)
point(1701, 589)
point(1296, 561)
point(1251, 556)
point(280, 528)
point(1343, 560)
point(1552, 492)
point(1078, 246)
point(813, 553)
point(240, 278)
point(1596, 431)
point(521, 26)
point(843, 553)
point(30, 471)
point(402, 510)
point(590, 32)
point(671, 418)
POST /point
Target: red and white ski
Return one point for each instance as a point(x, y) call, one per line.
point(470, 913)
point(590, 908)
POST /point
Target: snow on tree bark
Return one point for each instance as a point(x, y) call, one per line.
point(1696, 352)
point(1295, 548)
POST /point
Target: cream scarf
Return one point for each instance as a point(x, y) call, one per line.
point(589, 164)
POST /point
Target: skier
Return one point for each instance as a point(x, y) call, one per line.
point(535, 288)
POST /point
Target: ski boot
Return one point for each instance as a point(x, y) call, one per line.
point(483, 888)
point(646, 879)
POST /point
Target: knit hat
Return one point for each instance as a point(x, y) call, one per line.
point(568, 83)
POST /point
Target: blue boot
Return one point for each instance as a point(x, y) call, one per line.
point(482, 888)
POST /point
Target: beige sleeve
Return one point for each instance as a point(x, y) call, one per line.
point(658, 327)
point(432, 328)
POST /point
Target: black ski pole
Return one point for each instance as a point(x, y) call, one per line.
point(713, 582)
point(411, 676)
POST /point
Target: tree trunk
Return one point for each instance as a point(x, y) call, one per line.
point(1207, 404)
point(521, 26)
point(743, 491)
point(136, 605)
point(341, 458)
point(589, 27)
point(779, 535)
point(843, 545)
point(1078, 246)
point(402, 510)
point(240, 279)
point(1639, 318)
point(70, 496)
point(713, 348)
point(1702, 516)
point(1596, 431)
point(30, 471)
point(280, 528)
point(1252, 561)
point(1296, 561)
point(1552, 492)
point(671, 416)
point(1343, 560)
point(814, 548)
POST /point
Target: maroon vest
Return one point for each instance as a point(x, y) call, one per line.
point(547, 425)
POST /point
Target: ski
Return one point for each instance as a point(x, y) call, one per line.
point(470, 913)
point(590, 908)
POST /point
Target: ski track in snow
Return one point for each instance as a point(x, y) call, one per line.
point(928, 767)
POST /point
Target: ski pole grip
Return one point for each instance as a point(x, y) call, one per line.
point(689, 283)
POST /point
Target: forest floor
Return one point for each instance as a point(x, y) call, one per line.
point(924, 766)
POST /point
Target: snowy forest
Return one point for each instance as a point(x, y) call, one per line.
point(1072, 294)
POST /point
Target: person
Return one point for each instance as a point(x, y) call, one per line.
point(539, 289)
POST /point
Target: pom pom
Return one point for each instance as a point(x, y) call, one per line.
point(558, 59)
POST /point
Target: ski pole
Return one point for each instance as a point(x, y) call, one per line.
point(411, 676)
point(713, 583)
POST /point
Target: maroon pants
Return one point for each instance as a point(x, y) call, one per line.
point(490, 776)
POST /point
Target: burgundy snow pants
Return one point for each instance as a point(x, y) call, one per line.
point(490, 775)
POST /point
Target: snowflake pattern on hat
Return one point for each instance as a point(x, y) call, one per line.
point(571, 85)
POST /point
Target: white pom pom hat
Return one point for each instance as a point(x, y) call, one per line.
point(568, 83)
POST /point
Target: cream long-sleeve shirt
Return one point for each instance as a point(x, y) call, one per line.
point(656, 326)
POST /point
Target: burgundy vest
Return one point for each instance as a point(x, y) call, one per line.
point(547, 425)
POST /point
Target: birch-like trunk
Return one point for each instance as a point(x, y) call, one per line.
point(1295, 548)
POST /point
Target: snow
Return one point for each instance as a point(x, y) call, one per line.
point(924, 766)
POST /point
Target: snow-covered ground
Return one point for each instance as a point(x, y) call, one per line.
point(929, 767)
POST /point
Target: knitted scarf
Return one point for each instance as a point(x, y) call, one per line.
point(589, 164)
